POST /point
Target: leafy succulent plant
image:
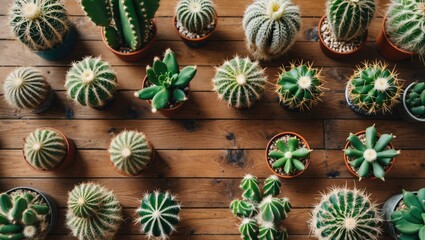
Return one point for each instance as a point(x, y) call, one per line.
point(371, 155)
point(415, 100)
point(196, 15)
point(168, 82)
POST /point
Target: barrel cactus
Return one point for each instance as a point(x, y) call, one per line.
point(93, 212)
point(240, 82)
point(271, 27)
point(300, 87)
point(159, 214)
point(196, 16)
point(415, 100)
point(91, 82)
point(130, 152)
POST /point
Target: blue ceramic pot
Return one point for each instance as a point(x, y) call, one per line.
point(63, 49)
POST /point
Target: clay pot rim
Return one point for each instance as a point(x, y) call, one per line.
point(272, 140)
point(384, 32)
point(195, 39)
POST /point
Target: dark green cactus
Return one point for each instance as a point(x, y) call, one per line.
point(415, 99)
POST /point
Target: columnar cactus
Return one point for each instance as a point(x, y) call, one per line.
point(127, 23)
point(415, 100)
point(240, 82)
point(91, 82)
point(346, 214)
point(349, 19)
point(300, 87)
point(39, 24)
point(196, 15)
point(271, 27)
point(93, 212)
point(159, 214)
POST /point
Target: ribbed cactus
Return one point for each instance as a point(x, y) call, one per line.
point(159, 214)
point(374, 88)
point(271, 27)
point(372, 155)
point(415, 99)
point(39, 24)
point(93, 212)
point(300, 87)
point(45, 149)
point(23, 215)
point(346, 214)
point(127, 23)
point(26, 87)
point(350, 18)
point(91, 82)
point(240, 82)
point(130, 152)
point(196, 15)
point(261, 212)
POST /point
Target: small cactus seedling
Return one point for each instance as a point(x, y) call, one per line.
point(159, 214)
point(168, 82)
point(370, 155)
point(93, 212)
point(196, 16)
point(240, 82)
point(415, 100)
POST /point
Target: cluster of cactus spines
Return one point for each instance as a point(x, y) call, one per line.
point(168, 82)
point(374, 88)
point(91, 82)
point(415, 100)
point(23, 215)
point(349, 19)
point(196, 15)
point(45, 149)
point(130, 152)
point(240, 82)
point(300, 87)
point(346, 214)
point(127, 23)
point(271, 27)
point(26, 87)
point(40, 24)
point(372, 155)
point(93, 212)
point(409, 221)
point(261, 212)
point(159, 214)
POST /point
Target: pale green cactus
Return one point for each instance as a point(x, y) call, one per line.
point(196, 15)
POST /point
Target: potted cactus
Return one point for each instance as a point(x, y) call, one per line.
point(240, 82)
point(368, 154)
point(27, 88)
point(346, 214)
point(288, 154)
point(343, 29)
point(403, 214)
point(373, 89)
point(91, 82)
point(300, 87)
point(261, 212)
point(130, 152)
point(413, 108)
point(279, 21)
point(128, 27)
point(48, 150)
point(165, 86)
point(93, 212)
point(402, 35)
point(195, 21)
point(44, 27)
point(26, 213)
point(159, 213)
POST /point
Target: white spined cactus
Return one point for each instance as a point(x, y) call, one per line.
point(196, 15)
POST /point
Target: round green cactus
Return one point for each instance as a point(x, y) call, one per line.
point(268, 231)
point(94, 212)
point(249, 229)
point(240, 82)
point(271, 27)
point(273, 209)
point(196, 15)
point(415, 99)
point(91, 82)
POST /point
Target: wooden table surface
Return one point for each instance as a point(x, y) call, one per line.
point(208, 147)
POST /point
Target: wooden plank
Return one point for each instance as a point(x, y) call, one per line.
point(183, 237)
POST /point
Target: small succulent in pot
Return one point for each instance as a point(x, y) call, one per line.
point(414, 101)
point(368, 154)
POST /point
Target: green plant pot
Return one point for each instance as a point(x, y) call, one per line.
point(62, 50)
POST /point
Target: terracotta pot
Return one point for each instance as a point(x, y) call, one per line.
point(132, 56)
point(347, 164)
point(334, 54)
point(273, 140)
point(388, 50)
point(404, 110)
point(195, 42)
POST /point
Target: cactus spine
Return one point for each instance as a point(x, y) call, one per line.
point(415, 99)
point(93, 212)
point(197, 16)
point(240, 82)
point(271, 27)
